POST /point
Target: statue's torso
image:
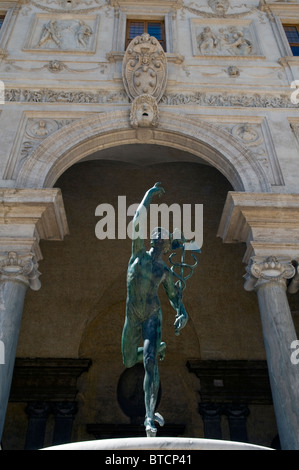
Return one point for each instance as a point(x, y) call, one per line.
point(144, 276)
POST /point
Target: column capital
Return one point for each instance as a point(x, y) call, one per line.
point(38, 409)
point(65, 409)
point(236, 410)
point(210, 410)
point(262, 270)
point(17, 267)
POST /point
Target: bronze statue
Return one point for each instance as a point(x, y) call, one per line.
point(146, 271)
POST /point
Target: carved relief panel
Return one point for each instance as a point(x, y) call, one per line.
point(63, 33)
point(224, 38)
point(32, 131)
point(256, 136)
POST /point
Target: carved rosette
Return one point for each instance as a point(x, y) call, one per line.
point(20, 268)
point(261, 271)
point(144, 73)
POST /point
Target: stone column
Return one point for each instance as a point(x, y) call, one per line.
point(64, 413)
point(211, 416)
point(26, 217)
point(17, 273)
point(237, 416)
point(267, 276)
point(38, 413)
point(268, 224)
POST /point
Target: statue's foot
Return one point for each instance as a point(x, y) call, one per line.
point(162, 350)
point(150, 428)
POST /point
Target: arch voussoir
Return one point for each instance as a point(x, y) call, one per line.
point(74, 142)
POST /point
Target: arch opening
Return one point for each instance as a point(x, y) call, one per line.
point(86, 137)
point(89, 287)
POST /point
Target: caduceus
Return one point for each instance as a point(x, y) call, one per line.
point(179, 242)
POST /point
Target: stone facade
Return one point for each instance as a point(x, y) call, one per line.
point(214, 117)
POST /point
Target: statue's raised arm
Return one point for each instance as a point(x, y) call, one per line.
point(139, 220)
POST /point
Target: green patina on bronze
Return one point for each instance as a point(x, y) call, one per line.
point(146, 272)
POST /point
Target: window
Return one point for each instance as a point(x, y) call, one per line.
point(292, 33)
point(152, 27)
point(1, 20)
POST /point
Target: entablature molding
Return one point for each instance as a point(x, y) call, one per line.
point(47, 379)
point(166, 4)
point(174, 58)
point(28, 216)
point(280, 8)
point(8, 4)
point(268, 223)
point(237, 381)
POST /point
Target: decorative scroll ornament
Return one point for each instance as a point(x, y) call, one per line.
point(144, 68)
point(271, 269)
point(20, 268)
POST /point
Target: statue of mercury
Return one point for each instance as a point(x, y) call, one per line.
point(143, 321)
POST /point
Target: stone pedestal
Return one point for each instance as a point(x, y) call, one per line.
point(158, 444)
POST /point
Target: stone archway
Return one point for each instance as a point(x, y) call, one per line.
point(82, 138)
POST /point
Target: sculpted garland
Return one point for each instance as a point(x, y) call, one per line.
point(169, 99)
